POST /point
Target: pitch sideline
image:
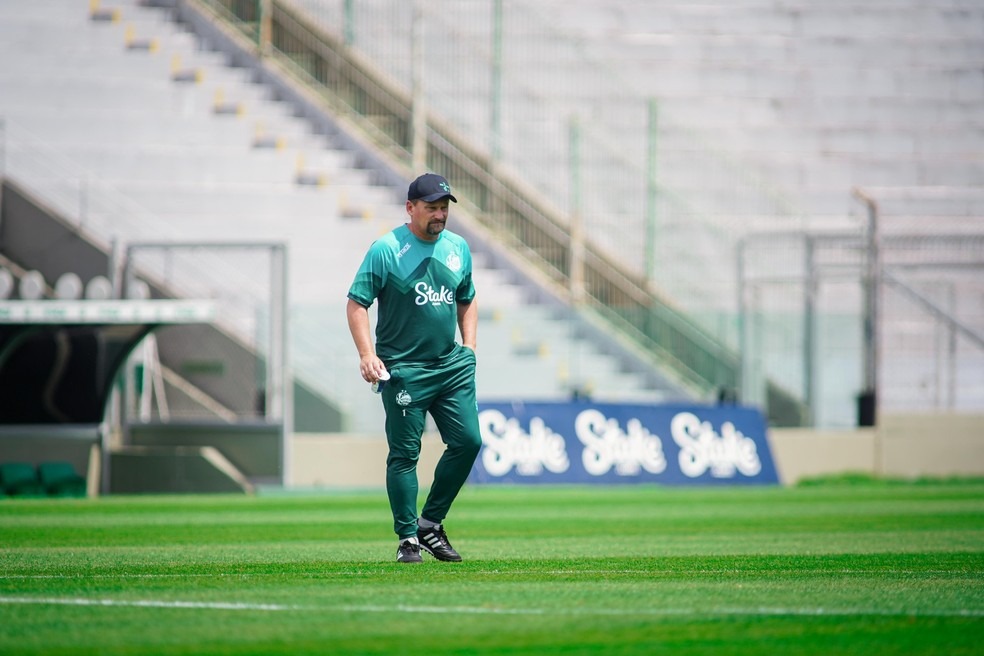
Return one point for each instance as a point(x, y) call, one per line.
point(482, 610)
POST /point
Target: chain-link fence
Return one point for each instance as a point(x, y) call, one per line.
point(804, 306)
point(800, 321)
point(931, 343)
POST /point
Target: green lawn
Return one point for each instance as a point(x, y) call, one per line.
point(849, 568)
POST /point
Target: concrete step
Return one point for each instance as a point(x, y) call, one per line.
point(106, 126)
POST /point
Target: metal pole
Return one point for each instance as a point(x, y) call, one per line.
point(742, 321)
point(868, 410)
point(3, 159)
point(750, 380)
point(651, 194)
point(3, 148)
point(951, 352)
point(496, 91)
point(940, 333)
point(350, 22)
point(418, 147)
point(576, 273)
point(83, 200)
point(280, 342)
point(756, 378)
point(809, 332)
point(119, 397)
point(275, 363)
point(263, 36)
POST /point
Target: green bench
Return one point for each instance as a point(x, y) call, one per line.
point(20, 479)
point(48, 479)
point(60, 480)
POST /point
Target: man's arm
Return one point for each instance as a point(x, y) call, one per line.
point(370, 366)
point(468, 324)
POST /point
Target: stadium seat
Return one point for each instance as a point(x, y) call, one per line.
point(20, 479)
point(60, 479)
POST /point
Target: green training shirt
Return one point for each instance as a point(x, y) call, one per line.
point(419, 285)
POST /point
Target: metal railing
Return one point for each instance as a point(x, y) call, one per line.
point(928, 323)
point(884, 317)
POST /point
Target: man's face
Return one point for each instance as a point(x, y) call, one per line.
point(428, 218)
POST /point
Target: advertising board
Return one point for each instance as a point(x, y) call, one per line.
point(581, 442)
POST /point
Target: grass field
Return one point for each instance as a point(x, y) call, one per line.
point(834, 568)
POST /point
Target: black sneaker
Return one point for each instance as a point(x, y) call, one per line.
point(435, 542)
point(408, 552)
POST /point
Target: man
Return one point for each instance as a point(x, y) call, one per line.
point(421, 273)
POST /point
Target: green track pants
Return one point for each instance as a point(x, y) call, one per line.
point(445, 389)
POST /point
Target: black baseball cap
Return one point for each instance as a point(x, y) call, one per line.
point(430, 187)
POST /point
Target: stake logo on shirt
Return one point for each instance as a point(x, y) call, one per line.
point(427, 294)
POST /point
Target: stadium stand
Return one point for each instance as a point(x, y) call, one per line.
point(810, 99)
point(120, 120)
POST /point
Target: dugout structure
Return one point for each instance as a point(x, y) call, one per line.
point(58, 364)
point(142, 391)
point(238, 404)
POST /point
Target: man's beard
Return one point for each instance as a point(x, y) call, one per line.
point(435, 227)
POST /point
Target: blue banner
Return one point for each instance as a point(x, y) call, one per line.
point(582, 442)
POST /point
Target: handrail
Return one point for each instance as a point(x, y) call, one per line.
point(934, 309)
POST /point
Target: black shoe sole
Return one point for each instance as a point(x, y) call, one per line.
point(441, 557)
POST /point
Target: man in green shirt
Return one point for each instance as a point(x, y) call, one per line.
point(421, 274)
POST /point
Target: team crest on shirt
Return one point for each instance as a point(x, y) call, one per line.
point(403, 398)
point(453, 262)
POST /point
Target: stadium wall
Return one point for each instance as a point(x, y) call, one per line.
point(901, 446)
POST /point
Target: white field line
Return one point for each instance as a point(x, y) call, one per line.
point(484, 610)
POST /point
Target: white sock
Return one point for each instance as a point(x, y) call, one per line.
point(426, 523)
point(412, 540)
